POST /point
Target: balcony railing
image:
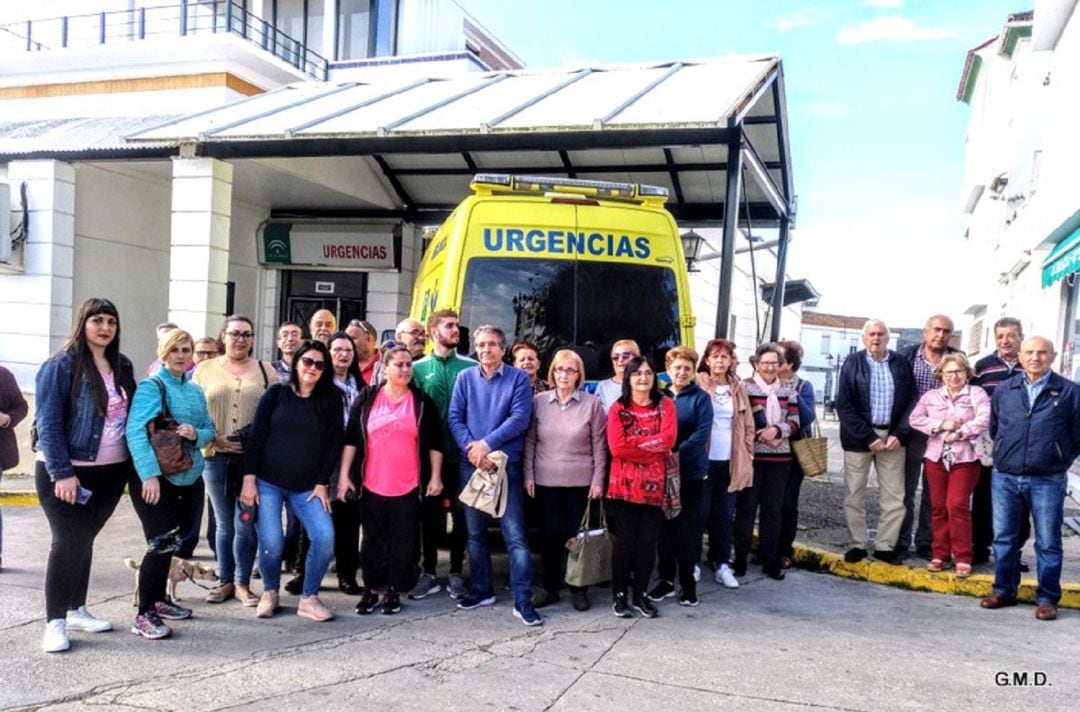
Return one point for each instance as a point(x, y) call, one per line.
point(186, 18)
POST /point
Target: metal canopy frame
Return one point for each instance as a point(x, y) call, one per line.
point(647, 112)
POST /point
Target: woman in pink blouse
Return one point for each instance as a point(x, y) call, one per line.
point(955, 416)
point(565, 454)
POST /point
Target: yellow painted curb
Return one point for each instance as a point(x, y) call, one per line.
point(18, 498)
point(919, 579)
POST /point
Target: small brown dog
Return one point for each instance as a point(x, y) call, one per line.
point(180, 570)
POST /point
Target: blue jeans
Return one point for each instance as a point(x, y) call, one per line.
point(235, 542)
point(512, 524)
point(1045, 495)
point(316, 522)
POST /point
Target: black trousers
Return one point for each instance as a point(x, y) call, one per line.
point(346, 518)
point(433, 524)
point(74, 528)
point(767, 493)
point(679, 545)
point(191, 519)
point(637, 528)
point(789, 514)
point(561, 510)
point(389, 552)
point(161, 524)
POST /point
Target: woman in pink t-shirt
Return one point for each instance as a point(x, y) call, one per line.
point(83, 395)
point(400, 424)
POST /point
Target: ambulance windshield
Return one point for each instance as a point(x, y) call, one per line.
point(590, 305)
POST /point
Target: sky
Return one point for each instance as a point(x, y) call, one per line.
point(877, 135)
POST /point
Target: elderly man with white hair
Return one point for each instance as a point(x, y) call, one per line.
point(876, 394)
point(410, 333)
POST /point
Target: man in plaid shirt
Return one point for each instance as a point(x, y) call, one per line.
point(924, 358)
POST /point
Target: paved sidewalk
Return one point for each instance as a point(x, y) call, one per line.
point(823, 538)
point(811, 642)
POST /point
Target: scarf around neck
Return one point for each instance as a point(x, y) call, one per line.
point(773, 413)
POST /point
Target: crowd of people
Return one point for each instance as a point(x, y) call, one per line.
point(992, 446)
point(338, 437)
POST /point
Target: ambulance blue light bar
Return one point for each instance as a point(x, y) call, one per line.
point(594, 188)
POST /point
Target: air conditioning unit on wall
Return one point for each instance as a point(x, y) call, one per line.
point(5, 222)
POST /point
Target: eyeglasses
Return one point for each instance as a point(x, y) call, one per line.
point(416, 332)
point(312, 363)
point(769, 364)
point(622, 356)
point(240, 335)
point(566, 371)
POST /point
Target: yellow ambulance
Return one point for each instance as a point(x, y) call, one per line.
point(561, 262)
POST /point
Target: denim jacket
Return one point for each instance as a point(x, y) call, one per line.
point(69, 433)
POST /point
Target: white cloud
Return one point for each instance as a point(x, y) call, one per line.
point(882, 3)
point(894, 28)
point(800, 18)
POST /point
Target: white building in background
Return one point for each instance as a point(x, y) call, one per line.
point(1020, 185)
point(827, 340)
point(172, 227)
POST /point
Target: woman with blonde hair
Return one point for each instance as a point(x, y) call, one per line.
point(731, 451)
point(565, 456)
point(164, 502)
point(954, 417)
point(611, 389)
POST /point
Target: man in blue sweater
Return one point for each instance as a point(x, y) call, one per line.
point(1035, 424)
point(490, 410)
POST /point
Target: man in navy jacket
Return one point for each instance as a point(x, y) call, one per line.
point(875, 396)
point(1035, 424)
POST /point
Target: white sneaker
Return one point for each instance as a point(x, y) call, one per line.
point(697, 573)
point(84, 621)
point(726, 577)
point(56, 637)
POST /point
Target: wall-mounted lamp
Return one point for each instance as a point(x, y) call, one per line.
point(691, 245)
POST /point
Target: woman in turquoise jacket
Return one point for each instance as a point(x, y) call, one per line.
point(161, 502)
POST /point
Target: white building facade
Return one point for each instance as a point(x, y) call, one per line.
point(169, 233)
point(1022, 149)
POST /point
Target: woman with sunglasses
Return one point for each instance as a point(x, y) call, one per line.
point(611, 389)
point(775, 406)
point(565, 456)
point(84, 393)
point(233, 382)
point(295, 443)
point(641, 430)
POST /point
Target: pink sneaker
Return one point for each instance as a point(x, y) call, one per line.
point(311, 607)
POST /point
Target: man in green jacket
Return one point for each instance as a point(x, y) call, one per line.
point(436, 374)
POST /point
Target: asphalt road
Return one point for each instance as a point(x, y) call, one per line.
point(811, 641)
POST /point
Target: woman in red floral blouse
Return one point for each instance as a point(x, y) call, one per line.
point(641, 431)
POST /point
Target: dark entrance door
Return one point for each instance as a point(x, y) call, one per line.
point(342, 293)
